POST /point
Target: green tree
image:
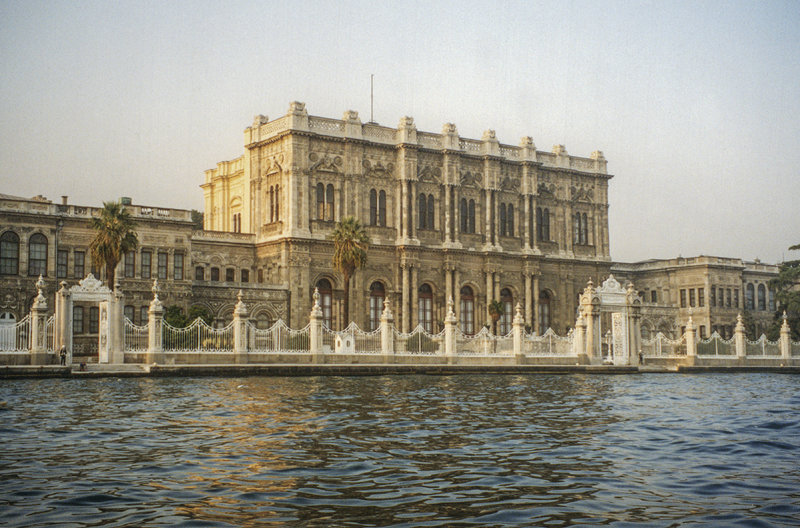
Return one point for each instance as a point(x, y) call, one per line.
point(197, 219)
point(115, 235)
point(175, 316)
point(787, 292)
point(350, 243)
point(496, 309)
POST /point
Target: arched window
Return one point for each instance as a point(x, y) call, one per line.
point(546, 224)
point(199, 273)
point(37, 255)
point(277, 202)
point(377, 294)
point(9, 253)
point(749, 297)
point(320, 202)
point(329, 203)
point(215, 274)
point(771, 300)
point(425, 307)
point(271, 204)
point(507, 317)
point(585, 239)
point(373, 207)
point(422, 211)
point(464, 216)
point(382, 208)
point(539, 232)
point(576, 228)
point(544, 311)
point(467, 312)
point(430, 212)
point(471, 226)
point(762, 297)
point(510, 221)
point(325, 300)
point(502, 219)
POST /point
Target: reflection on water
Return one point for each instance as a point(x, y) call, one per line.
point(660, 450)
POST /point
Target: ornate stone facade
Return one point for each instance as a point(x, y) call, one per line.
point(444, 214)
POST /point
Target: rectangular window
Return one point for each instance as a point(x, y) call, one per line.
point(215, 274)
point(80, 263)
point(143, 317)
point(736, 298)
point(94, 320)
point(691, 297)
point(728, 298)
point(77, 319)
point(229, 275)
point(701, 297)
point(177, 266)
point(713, 297)
point(653, 296)
point(130, 265)
point(199, 273)
point(61, 263)
point(147, 258)
point(245, 275)
point(128, 311)
point(162, 265)
point(683, 298)
point(702, 331)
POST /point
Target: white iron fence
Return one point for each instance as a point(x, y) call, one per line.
point(15, 337)
point(547, 345)
point(484, 344)
point(135, 337)
point(662, 346)
point(762, 347)
point(716, 346)
point(418, 343)
point(197, 337)
point(280, 339)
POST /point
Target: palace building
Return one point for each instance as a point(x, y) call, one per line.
point(447, 218)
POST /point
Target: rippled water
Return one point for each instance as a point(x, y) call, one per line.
point(495, 450)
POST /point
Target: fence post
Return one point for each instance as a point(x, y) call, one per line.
point(387, 335)
point(38, 340)
point(518, 326)
point(739, 338)
point(315, 331)
point(579, 340)
point(786, 339)
point(116, 326)
point(240, 331)
point(691, 340)
point(590, 309)
point(450, 333)
point(155, 326)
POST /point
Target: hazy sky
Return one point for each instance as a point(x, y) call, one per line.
point(696, 105)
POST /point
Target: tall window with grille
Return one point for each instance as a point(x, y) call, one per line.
point(77, 319)
point(62, 257)
point(543, 224)
point(94, 320)
point(144, 316)
point(749, 297)
point(162, 265)
point(130, 265)
point(326, 301)
point(9, 253)
point(683, 298)
point(466, 314)
point(762, 297)
point(79, 266)
point(37, 255)
point(147, 258)
point(507, 317)
point(128, 311)
point(177, 266)
point(701, 297)
point(544, 311)
point(425, 307)
point(373, 207)
point(377, 294)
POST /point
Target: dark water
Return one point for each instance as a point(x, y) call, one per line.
point(655, 450)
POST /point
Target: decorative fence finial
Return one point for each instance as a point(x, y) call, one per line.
point(387, 310)
point(40, 284)
point(155, 289)
point(316, 298)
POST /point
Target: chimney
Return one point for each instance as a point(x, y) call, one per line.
point(64, 200)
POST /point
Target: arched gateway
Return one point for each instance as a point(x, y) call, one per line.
point(90, 289)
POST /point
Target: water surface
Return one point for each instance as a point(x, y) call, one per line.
point(494, 450)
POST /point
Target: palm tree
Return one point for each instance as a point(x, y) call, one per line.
point(350, 243)
point(114, 236)
point(496, 309)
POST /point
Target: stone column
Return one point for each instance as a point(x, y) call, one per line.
point(387, 333)
point(61, 322)
point(404, 312)
point(116, 326)
point(488, 237)
point(535, 308)
point(38, 329)
point(518, 326)
point(691, 339)
point(489, 293)
point(414, 297)
point(315, 331)
point(412, 202)
point(496, 287)
point(579, 342)
point(448, 237)
point(400, 205)
point(786, 340)
point(450, 333)
point(448, 281)
point(528, 300)
point(740, 338)
point(155, 324)
point(526, 221)
point(240, 331)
